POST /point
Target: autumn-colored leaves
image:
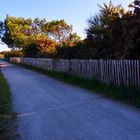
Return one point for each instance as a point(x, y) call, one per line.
point(112, 34)
point(37, 38)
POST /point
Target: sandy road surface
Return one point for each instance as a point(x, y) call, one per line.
point(51, 110)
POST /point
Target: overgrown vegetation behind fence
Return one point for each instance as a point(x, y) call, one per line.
point(115, 72)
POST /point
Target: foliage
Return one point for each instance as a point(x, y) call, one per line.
point(71, 40)
point(57, 29)
point(37, 38)
point(68, 52)
point(115, 33)
point(13, 53)
point(40, 46)
point(7, 117)
point(15, 31)
point(101, 30)
point(130, 37)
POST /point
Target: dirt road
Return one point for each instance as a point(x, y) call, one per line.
point(51, 110)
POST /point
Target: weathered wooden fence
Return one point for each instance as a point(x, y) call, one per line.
point(115, 72)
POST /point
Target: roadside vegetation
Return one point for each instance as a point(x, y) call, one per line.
point(7, 117)
point(112, 33)
point(128, 95)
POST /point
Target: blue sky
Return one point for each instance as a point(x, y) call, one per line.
point(74, 12)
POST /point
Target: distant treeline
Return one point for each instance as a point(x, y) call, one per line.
point(112, 34)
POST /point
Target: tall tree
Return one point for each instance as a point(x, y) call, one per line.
point(131, 32)
point(57, 30)
point(37, 37)
point(16, 30)
point(102, 27)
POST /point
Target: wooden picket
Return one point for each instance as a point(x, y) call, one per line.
point(116, 72)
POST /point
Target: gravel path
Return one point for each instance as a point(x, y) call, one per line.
point(51, 110)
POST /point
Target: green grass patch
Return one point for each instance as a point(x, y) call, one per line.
point(129, 95)
point(7, 117)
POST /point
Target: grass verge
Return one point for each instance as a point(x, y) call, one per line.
point(129, 95)
point(7, 117)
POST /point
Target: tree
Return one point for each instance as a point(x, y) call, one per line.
point(102, 27)
point(16, 30)
point(37, 25)
point(37, 38)
point(40, 46)
point(57, 30)
point(99, 25)
point(72, 40)
point(1, 28)
point(130, 37)
point(115, 33)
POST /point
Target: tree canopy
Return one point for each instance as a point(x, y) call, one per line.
point(38, 34)
point(113, 33)
point(57, 30)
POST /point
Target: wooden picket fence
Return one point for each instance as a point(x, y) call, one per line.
point(115, 72)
